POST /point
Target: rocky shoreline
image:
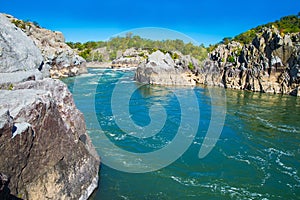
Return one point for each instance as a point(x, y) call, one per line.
point(59, 59)
point(45, 150)
point(270, 64)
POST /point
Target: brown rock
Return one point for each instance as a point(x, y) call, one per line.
point(42, 149)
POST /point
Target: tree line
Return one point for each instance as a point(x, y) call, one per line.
point(122, 43)
point(287, 24)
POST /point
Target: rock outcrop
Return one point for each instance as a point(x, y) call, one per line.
point(58, 57)
point(161, 69)
point(20, 59)
point(45, 150)
point(130, 58)
point(44, 145)
point(270, 64)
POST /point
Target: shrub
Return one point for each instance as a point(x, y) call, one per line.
point(175, 56)
point(10, 87)
point(191, 66)
point(231, 59)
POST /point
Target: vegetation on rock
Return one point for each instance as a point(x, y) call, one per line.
point(122, 43)
point(287, 24)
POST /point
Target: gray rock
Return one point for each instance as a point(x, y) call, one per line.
point(18, 52)
point(59, 59)
point(130, 58)
point(160, 70)
point(163, 61)
point(7, 79)
point(269, 64)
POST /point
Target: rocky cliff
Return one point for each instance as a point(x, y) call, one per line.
point(271, 63)
point(45, 150)
point(58, 57)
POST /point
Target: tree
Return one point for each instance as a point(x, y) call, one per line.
point(226, 40)
point(129, 35)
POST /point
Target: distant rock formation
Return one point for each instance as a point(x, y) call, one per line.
point(270, 64)
point(45, 150)
point(58, 57)
point(130, 58)
point(161, 69)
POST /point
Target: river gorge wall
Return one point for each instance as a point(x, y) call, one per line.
point(46, 152)
point(270, 64)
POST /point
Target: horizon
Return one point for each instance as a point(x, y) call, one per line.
point(198, 22)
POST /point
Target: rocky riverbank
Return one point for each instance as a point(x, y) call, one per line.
point(270, 64)
point(59, 58)
point(45, 150)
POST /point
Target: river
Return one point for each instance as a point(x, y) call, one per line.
point(257, 155)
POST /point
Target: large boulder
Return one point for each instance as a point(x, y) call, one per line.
point(161, 69)
point(58, 57)
point(45, 150)
point(17, 51)
point(20, 59)
point(44, 145)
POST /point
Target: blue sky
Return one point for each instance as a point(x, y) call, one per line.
point(206, 21)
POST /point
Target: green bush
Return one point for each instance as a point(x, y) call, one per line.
point(231, 59)
point(175, 56)
point(10, 87)
point(191, 66)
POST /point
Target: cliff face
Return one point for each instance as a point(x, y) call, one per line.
point(45, 150)
point(58, 57)
point(270, 64)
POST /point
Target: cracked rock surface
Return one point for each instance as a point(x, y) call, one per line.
point(45, 150)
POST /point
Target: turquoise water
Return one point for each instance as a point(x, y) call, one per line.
point(256, 157)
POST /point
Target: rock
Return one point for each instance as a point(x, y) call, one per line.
point(269, 64)
point(18, 52)
point(42, 150)
point(160, 69)
point(20, 59)
point(130, 58)
point(4, 189)
point(58, 57)
point(45, 149)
